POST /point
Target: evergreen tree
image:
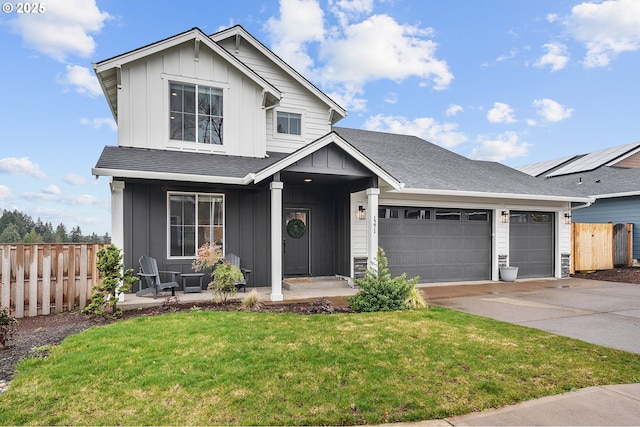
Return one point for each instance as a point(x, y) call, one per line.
point(10, 234)
point(61, 234)
point(32, 237)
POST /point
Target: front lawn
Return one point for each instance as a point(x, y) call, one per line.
point(221, 368)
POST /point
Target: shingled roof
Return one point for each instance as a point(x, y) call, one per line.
point(422, 165)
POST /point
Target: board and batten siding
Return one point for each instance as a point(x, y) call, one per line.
point(143, 102)
point(295, 99)
point(619, 210)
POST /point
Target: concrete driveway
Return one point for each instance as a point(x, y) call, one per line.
point(604, 313)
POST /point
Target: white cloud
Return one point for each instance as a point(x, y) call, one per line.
point(20, 166)
point(501, 113)
point(552, 111)
point(5, 193)
point(347, 10)
point(52, 190)
point(556, 57)
point(64, 29)
point(391, 98)
point(552, 17)
point(300, 22)
point(501, 147)
point(354, 53)
point(606, 29)
point(424, 127)
point(453, 110)
point(99, 122)
point(82, 79)
point(74, 179)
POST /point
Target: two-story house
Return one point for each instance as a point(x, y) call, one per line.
point(219, 140)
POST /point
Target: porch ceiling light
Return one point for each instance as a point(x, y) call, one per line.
point(504, 217)
point(308, 180)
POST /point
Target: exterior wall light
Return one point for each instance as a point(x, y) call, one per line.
point(567, 218)
point(504, 217)
point(362, 212)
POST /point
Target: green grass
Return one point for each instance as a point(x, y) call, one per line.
point(221, 368)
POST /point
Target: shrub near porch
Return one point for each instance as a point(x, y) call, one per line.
point(220, 368)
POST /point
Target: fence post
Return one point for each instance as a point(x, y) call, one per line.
point(46, 279)
point(5, 292)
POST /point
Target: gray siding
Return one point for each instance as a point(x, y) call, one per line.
point(621, 210)
point(246, 220)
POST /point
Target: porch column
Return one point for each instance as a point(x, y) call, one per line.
point(117, 213)
point(276, 241)
point(372, 227)
point(117, 218)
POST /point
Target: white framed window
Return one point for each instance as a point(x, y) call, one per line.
point(288, 123)
point(196, 113)
point(194, 219)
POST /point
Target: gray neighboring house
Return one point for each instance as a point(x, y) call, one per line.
point(610, 176)
point(221, 141)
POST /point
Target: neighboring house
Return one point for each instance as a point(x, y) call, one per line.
point(221, 141)
point(610, 176)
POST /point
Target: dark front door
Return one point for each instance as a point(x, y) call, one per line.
point(297, 252)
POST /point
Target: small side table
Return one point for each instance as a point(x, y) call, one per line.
point(188, 289)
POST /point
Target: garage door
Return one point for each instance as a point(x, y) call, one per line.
point(531, 243)
point(437, 244)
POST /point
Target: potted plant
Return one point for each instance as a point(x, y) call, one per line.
point(508, 273)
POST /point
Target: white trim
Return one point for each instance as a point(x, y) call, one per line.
point(168, 225)
point(512, 196)
point(613, 195)
point(276, 241)
point(125, 173)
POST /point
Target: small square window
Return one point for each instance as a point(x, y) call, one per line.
point(448, 215)
point(289, 123)
point(417, 214)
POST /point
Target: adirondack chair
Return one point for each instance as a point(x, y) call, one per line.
point(149, 271)
point(235, 260)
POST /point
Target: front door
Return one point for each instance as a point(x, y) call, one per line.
point(296, 242)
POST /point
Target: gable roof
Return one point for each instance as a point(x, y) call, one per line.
point(108, 70)
point(238, 31)
point(426, 168)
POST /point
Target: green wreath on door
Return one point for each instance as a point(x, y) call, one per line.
point(296, 228)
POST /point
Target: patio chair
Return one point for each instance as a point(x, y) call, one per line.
point(235, 261)
point(149, 271)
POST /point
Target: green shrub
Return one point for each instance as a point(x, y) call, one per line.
point(8, 326)
point(379, 291)
point(115, 279)
point(225, 277)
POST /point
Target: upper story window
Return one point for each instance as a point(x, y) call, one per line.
point(289, 123)
point(195, 113)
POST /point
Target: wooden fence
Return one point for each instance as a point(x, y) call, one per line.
point(601, 246)
point(42, 278)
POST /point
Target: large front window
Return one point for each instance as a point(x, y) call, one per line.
point(195, 219)
point(195, 113)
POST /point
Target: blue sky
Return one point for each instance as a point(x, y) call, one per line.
point(511, 81)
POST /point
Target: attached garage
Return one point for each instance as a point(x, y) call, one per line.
point(531, 242)
point(437, 244)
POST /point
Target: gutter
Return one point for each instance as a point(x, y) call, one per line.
point(123, 173)
point(491, 195)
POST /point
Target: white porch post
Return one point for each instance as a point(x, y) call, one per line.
point(372, 227)
point(276, 241)
point(117, 218)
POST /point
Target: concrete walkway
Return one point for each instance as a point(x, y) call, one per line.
point(604, 313)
